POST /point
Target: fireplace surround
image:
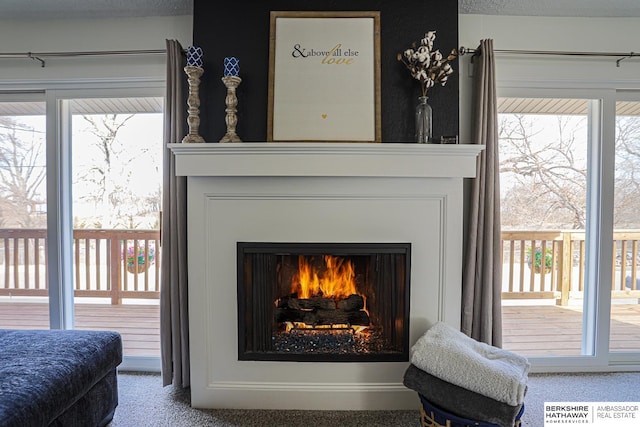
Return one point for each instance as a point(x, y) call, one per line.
point(321, 193)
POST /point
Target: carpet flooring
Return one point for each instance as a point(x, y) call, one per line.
point(144, 402)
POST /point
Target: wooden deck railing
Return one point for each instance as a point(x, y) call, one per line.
point(100, 263)
point(561, 264)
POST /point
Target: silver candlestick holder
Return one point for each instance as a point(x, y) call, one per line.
point(231, 100)
point(193, 119)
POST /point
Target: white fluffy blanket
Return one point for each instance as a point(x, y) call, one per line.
point(452, 356)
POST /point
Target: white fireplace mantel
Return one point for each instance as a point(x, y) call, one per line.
point(326, 159)
point(316, 192)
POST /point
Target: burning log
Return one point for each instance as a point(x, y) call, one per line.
point(321, 311)
point(307, 303)
point(322, 317)
point(337, 317)
point(352, 303)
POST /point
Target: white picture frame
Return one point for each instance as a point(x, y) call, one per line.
point(324, 77)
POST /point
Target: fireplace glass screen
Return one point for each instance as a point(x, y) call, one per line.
point(323, 302)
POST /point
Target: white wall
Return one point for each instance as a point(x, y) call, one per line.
point(556, 34)
point(89, 35)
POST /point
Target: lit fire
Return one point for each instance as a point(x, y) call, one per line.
point(337, 281)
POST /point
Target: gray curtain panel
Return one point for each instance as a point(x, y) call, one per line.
point(174, 309)
point(482, 270)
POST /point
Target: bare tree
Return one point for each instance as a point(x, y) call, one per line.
point(545, 180)
point(103, 174)
point(22, 173)
point(548, 176)
point(110, 174)
point(627, 175)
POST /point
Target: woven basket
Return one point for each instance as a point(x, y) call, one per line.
point(432, 416)
point(137, 268)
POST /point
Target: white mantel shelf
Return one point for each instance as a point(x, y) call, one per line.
point(326, 159)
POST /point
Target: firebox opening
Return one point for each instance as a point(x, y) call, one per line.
point(323, 302)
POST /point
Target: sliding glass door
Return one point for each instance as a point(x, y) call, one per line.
point(544, 146)
point(625, 283)
point(80, 196)
point(116, 179)
point(24, 302)
point(570, 185)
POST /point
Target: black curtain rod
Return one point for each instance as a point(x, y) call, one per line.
point(462, 51)
point(620, 55)
point(39, 55)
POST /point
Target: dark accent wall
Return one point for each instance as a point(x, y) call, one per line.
point(240, 28)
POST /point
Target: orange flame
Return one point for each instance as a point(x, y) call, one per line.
point(336, 280)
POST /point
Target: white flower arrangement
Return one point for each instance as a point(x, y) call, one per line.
point(426, 65)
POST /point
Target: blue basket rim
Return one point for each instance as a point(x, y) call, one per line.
point(456, 419)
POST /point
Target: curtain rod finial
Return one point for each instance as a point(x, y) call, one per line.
point(466, 51)
point(35, 58)
point(631, 55)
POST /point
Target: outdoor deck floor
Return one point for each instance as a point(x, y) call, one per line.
point(529, 330)
point(139, 325)
point(549, 330)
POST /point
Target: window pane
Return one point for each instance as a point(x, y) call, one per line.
point(543, 184)
point(625, 293)
point(117, 177)
point(23, 216)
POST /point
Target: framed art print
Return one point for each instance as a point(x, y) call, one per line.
point(324, 77)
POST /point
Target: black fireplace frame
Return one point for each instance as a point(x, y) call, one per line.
point(338, 249)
